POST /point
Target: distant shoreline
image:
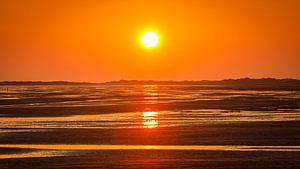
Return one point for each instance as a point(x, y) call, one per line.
point(7, 83)
point(235, 84)
point(130, 82)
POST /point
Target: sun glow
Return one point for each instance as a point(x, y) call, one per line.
point(150, 39)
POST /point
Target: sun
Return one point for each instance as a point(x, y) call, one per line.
point(150, 39)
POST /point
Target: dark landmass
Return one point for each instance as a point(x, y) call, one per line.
point(25, 83)
point(238, 84)
point(208, 82)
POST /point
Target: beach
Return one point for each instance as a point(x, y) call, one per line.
point(148, 126)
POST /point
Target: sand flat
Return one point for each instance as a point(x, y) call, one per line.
point(148, 127)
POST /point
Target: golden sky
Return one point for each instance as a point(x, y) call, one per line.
point(101, 40)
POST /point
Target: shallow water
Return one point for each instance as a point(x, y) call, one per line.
point(149, 98)
point(149, 119)
point(65, 120)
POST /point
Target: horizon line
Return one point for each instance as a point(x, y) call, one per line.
point(136, 80)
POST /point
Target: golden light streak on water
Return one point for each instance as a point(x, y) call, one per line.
point(150, 119)
point(48, 150)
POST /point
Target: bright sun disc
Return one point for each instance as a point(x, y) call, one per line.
point(150, 39)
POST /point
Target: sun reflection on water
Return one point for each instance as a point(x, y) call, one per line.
point(150, 119)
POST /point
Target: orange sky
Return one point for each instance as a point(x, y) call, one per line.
point(100, 40)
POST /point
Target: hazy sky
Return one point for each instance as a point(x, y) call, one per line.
point(100, 40)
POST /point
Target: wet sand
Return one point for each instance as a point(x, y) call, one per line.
point(148, 127)
point(255, 133)
point(161, 159)
point(282, 137)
